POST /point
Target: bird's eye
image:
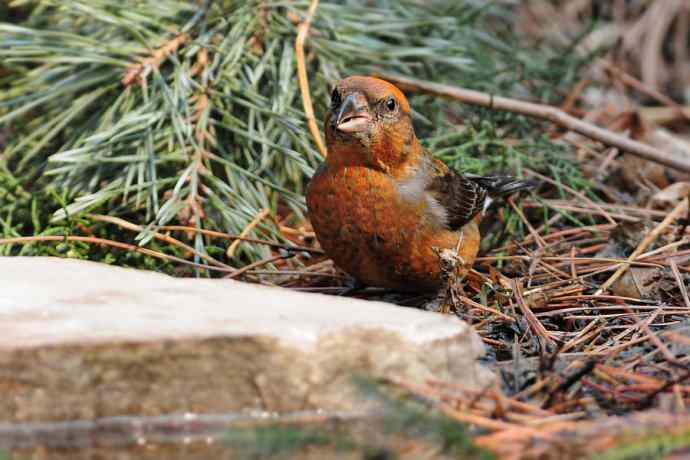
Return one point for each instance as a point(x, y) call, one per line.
point(335, 99)
point(391, 104)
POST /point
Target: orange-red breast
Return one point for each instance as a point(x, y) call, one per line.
point(382, 207)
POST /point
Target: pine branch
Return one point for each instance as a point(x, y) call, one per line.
point(171, 112)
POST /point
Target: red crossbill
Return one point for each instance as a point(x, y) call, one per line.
point(382, 206)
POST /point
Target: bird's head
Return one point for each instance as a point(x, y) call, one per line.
point(369, 123)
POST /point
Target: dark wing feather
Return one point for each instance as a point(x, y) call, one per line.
point(463, 196)
point(501, 185)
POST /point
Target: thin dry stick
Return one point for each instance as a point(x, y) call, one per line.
point(681, 285)
point(105, 242)
point(632, 210)
point(463, 416)
point(474, 419)
point(559, 234)
point(644, 326)
point(473, 304)
point(227, 236)
point(609, 351)
point(658, 253)
point(663, 115)
point(259, 263)
point(459, 389)
point(136, 72)
point(537, 237)
point(574, 192)
point(633, 82)
point(556, 204)
point(576, 260)
point(537, 260)
point(537, 327)
point(573, 269)
point(644, 244)
point(544, 112)
point(258, 218)
point(586, 333)
point(159, 236)
point(302, 32)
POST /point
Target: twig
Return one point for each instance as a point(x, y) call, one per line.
point(642, 212)
point(105, 242)
point(566, 206)
point(543, 112)
point(227, 236)
point(235, 244)
point(585, 334)
point(664, 115)
point(575, 93)
point(610, 351)
point(471, 303)
point(137, 72)
point(570, 381)
point(633, 82)
point(644, 244)
point(300, 273)
point(649, 399)
point(260, 263)
point(159, 236)
point(681, 285)
point(576, 260)
point(644, 327)
point(580, 195)
point(302, 31)
point(537, 327)
point(537, 237)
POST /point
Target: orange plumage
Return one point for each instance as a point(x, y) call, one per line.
point(381, 206)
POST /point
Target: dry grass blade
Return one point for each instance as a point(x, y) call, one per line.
point(579, 195)
point(258, 263)
point(303, 31)
point(651, 92)
point(137, 72)
point(677, 212)
point(679, 279)
point(537, 327)
point(227, 236)
point(106, 242)
point(235, 244)
point(159, 236)
point(471, 303)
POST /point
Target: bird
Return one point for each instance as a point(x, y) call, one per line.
point(382, 207)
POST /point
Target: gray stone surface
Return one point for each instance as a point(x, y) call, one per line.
point(81, 340)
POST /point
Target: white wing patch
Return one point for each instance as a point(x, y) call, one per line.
point(413, 190)
point(487, 203)
point(437, 210)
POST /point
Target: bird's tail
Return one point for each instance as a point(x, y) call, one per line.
point(497, 186)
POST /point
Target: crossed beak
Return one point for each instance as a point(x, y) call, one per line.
point(353, 115)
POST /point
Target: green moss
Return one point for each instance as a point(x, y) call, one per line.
point(648, 447)
point(380, 435)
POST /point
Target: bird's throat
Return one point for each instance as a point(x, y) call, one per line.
point(389, 154)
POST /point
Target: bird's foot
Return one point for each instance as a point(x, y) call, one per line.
point(453, 272)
